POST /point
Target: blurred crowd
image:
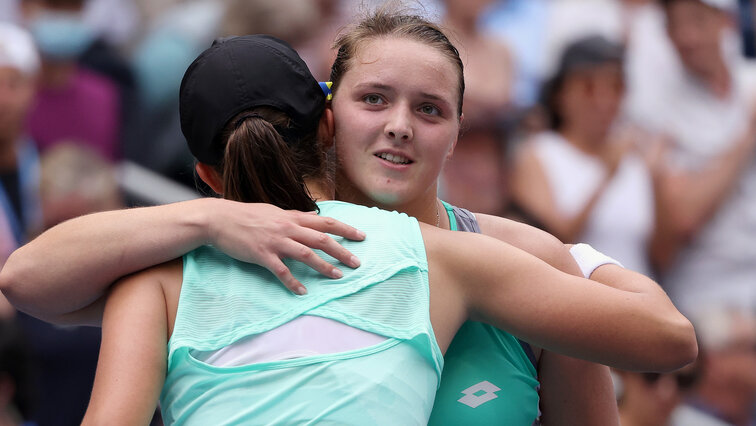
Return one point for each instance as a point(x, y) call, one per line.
point(626, 124)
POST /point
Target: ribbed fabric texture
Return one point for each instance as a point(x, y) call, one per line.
point(223, 300)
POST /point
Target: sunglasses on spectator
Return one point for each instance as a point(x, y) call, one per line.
point(684, 381)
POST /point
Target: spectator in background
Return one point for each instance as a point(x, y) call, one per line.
point(726, 392)
point(309, 26)
point(116, 21)
point(578, 180)
point(488, 63)
point(102, 57)
point(289, 20)
point(475, 176)
point(9, 11)
point(748, 27)
point(521, 25)
point(707, 189)
point(177, 33)
point(174, 37)
point(637, 24)
point(19, 204)
point(317, 49)
point(74, 181)
point(72, 103)
point(649, 399)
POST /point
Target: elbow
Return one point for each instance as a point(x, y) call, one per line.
point(12, 279)
point(9, 277)
point(665, 344)
point(680, 346)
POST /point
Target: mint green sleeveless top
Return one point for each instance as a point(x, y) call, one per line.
point(223, 300)
point(488, 378)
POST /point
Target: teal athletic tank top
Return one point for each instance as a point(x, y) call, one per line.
point(223, 300)
point(488, 377)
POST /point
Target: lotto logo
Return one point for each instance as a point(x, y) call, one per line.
point(479, 393)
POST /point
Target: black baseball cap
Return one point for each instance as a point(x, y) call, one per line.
point(589, 52)
point(240, 73)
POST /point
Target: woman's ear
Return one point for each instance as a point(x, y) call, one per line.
point(208, 175)
point(326, 127)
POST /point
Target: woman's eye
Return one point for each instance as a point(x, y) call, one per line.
point(430, 110)
point(373, 99)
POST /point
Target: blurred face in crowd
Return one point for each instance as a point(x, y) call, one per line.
point(58, 28)
point(649, 398)
point(466, 9)
point(35, 6)
point(476, 175)
point(695, 30)
point(736, 362)
point(591, 99)
point(16, 95)
point(396, 121)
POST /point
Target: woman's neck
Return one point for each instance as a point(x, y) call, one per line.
point(426, 208)
point(57, 75)
point(588, 142)
point(320, 189)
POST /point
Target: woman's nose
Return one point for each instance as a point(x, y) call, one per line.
point(399, 126)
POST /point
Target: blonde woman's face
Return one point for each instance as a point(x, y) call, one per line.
point(396, 121)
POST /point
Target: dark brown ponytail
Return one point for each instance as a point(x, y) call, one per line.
point(260, 167)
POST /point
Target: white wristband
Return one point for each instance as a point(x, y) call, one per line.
point(588, 258)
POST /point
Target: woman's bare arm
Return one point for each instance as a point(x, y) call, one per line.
point(71, 265)
point(633, 329)
point(132, 363)
point(572, 391)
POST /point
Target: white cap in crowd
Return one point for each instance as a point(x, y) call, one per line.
point(17, 49)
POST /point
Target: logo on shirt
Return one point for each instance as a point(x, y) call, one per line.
point(479, 393)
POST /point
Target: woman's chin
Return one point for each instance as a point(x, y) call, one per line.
point(386, 198)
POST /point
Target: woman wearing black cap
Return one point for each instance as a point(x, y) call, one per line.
point(233, 348)
point(581, 179)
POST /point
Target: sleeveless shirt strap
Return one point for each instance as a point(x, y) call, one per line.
point(466, 220)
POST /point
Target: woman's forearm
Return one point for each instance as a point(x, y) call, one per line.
point(71, 265)
point(634, 327)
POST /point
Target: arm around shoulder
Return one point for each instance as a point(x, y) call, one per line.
point(71, 265)
point(549, 249)
point(512, 290)
point(535, 241)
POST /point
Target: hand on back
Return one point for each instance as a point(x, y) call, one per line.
point(264, 234)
